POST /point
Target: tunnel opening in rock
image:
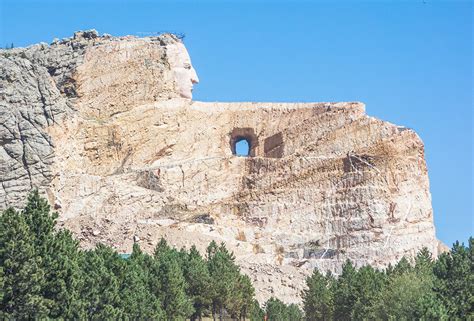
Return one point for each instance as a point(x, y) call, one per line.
point(242, 147)
point(243, 142)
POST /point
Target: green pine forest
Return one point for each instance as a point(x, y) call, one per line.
point(44, 274)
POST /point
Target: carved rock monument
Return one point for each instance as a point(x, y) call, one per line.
point(105, 127)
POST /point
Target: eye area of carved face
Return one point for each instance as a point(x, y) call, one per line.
point(187, 66)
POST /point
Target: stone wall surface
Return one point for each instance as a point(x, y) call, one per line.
point(105, 128)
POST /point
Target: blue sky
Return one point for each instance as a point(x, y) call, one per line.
point(410, 62)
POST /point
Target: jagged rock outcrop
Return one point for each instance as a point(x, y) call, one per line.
point(105, 127)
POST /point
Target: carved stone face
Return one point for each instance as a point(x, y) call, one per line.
point(183, 72)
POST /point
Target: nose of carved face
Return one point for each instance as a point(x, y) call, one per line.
point(194, 76)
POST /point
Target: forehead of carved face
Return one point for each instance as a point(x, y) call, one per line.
point(183, 72)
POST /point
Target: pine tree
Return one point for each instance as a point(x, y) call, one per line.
point(345, 295)
point(368, 285)
point(294, 312)
point(424, 261)
point(162, 248)
point(454, 283)
point(198, 279)
point(429, 306)
point(175, 301)
point(241, 299)
point(403, 266)
point(256, 313)
point(247, 294)
point(399, 299)
point(318, 297)
point(211, 250)
point(276, 310)
point(279, 311)
point(137, 300)
point(231, 291)
point(2, 284)
point(409, 294)
point(224, 277)
point(39, 218)
point(23, 278)
point(102, 272)
point(173, 285)
point(63, 276)
point(60, 253)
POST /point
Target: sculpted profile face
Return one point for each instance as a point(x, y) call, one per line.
point(183, 72)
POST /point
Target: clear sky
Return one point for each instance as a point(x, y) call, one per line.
point(410, 62)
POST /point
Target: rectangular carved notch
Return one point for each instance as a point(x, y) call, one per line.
point(273, 146)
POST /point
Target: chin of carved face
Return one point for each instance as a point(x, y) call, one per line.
point(184, 73)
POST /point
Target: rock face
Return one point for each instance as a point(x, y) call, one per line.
point(105, 127)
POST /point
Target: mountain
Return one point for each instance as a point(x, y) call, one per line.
point(105, 127)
